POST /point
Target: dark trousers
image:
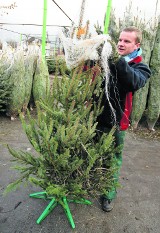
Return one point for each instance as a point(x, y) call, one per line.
point(119, 141)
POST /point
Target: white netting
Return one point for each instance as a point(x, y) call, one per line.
point(6, 58)
point(106, 52)
point(78, 51)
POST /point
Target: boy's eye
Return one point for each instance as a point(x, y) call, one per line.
point(127, 41)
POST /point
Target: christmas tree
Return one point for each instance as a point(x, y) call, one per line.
point(73, 160)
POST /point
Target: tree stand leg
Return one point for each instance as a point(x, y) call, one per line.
point(54, 202)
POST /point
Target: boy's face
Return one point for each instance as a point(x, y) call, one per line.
point(127, 43)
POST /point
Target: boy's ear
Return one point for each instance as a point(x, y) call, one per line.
point(138, 45)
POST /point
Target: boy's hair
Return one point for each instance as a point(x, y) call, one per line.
point(136, 30)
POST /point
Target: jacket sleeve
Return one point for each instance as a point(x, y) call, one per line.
point(131, 76)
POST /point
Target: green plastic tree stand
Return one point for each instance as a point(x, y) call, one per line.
point(54, 202)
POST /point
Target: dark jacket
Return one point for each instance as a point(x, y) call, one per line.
point(125, 79)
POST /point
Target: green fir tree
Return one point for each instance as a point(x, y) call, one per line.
point(5, 85)
point(72, 159)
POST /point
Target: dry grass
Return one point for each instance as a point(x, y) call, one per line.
point(143, 132)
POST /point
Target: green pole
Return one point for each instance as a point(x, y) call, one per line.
point(107, 18)
point(44, 29)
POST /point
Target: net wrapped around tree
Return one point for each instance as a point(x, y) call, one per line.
point(16, 81)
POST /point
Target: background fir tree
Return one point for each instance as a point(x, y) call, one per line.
point(5, 85)
point(71, 159)
point(5, 91)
